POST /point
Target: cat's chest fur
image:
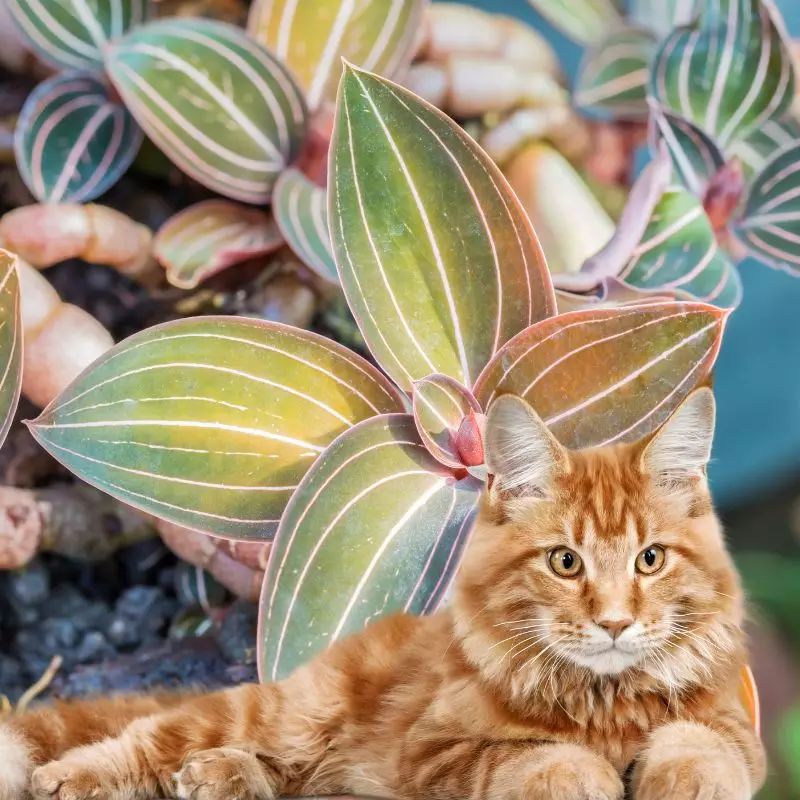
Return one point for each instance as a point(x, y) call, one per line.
point(611, 722)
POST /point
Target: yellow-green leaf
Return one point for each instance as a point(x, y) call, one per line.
point(311, 38)
point(439, 262)
point(376, 526)
point(211, 422)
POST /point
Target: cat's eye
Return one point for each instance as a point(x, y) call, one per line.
point(650, 560)
point(565, 562)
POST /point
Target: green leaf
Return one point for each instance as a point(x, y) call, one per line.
point(583, 21)
point(211, 236)
point(613, 74)
point(695, 157)
point(377, 525)
point(440, 406)
point(301, 211)
point(211, 422)
point(312, 38)
point(762, 143)
point(679, 251)
point(438, 260)
point(608, 375)
point(72, 142)
point(220, 106)
point(770, 224)
point(729, 72)
point(10, 341)
point(661, 16)
point(72, 34)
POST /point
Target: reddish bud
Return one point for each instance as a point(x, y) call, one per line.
point(469, 439)
point(724, 193)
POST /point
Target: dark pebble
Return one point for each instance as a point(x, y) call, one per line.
point(94, 648)
point(237, 633)
point(141, 614)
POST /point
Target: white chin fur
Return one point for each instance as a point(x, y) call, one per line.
point(609, 662)
point(14, 766)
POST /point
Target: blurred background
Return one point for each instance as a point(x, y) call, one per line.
point(136, 595)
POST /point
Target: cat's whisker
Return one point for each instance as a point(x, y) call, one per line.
point(531, 661)
point(534, 640)
point(515, 636)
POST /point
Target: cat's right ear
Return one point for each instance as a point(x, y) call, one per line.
point(521, 454)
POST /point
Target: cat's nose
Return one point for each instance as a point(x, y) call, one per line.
point(615, 627)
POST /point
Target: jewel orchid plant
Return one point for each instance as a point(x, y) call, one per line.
point(366, 479)
point(717, 81)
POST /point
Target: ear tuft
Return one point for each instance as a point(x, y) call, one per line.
point(682, 447)
point(520, 451)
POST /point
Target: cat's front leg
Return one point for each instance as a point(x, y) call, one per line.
point(687, 761)
point(509, 771)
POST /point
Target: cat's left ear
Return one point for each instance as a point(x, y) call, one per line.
point(682, 447)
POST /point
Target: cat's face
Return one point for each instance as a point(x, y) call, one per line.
point(606, 560)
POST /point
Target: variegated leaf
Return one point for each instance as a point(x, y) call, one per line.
point(312, 38)
point(613, 74)
point(608, 375)
point(301, 211)
point(439, 262)
point(695, 157)
point(72, 142)
point(377, 525)
point(770, 224)
point(211, 236)
point(729, 72)
point(219, 105)
point(661, 16)
point(211, 422)
point(584, 21)
point(441, 405)
point(10, 341)
point(679, 251)
point(762, 143)
point(72, 34)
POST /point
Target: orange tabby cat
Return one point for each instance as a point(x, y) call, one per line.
point(594, 637)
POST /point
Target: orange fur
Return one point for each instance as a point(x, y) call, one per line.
point(514, 692)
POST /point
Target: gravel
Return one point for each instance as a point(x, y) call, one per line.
point(118, 625)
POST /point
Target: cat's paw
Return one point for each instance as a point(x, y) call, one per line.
point(687, 761)
point(692, 778)
point(570, 772)
point(62, 780)
point(225, 773)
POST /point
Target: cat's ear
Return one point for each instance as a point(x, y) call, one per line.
point(682, 447)
point(521, 454)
